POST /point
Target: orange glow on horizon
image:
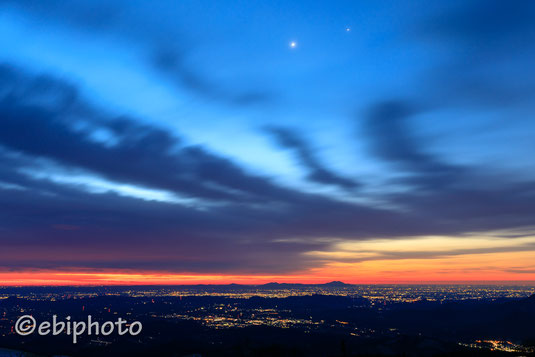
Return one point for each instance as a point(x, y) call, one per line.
point(114, 278)
point(59, 278)
point(407, 261)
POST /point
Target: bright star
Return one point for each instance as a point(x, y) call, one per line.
point(293, 44)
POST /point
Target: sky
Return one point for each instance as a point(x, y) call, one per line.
point(250, 141)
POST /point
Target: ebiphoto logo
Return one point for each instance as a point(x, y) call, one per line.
point(26, 325)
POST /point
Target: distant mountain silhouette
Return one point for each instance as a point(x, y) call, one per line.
point(335, 284)
point(275, 285)
point(331, 284)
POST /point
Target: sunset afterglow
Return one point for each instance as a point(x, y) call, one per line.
point(214, 143)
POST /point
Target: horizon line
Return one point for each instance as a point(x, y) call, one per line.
point(478, 282)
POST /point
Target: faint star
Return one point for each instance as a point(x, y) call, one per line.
point(348, 29)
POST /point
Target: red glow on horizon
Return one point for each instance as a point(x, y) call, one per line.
point(60, 278)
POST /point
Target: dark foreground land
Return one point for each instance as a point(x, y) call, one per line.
point(278, 321)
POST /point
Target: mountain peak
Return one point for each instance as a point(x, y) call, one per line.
point(336, 283)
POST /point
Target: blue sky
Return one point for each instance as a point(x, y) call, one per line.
point(379, 110)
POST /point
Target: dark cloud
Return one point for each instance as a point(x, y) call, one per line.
point(487, 58)
point(93, 15)
point(250, 224)
point(142, 154)
point(165, 47)
point(120, 232)
point(485, 68)
point(387, 124)
point(173, 66)
point(43, 118)
point(444, 193)
point(289, 139)
point(486, 23)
